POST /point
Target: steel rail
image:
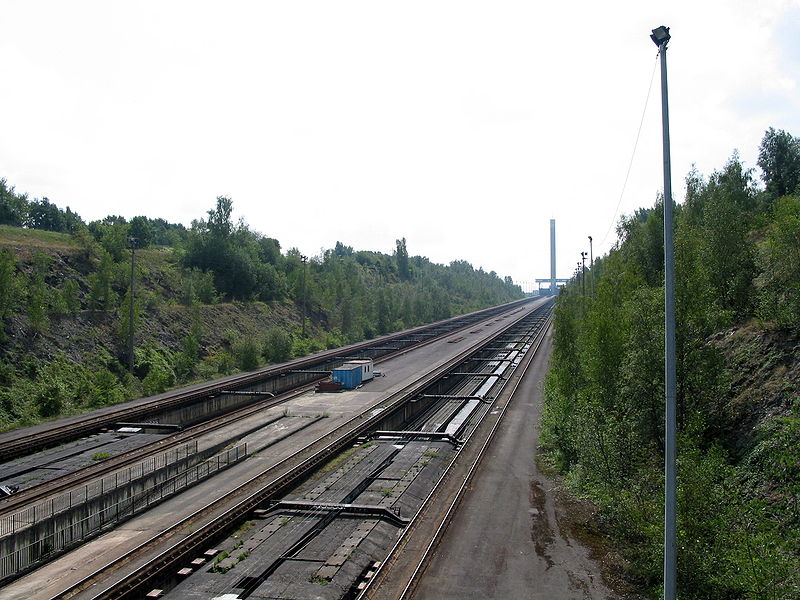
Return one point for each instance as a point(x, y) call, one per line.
point(465, 389)
point(89, 473)
point(14, 444)
point(467, 480)
point(269, 483)
point(373, 584)
point(82, 476)
point(473, 421)
point(57, 485)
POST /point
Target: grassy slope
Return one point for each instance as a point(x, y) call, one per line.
point(165, 321)
point(78, 357)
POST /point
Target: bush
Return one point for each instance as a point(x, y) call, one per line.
point(277, 345)
point(101, 294)
point(50, 398)
point(188, 357)
point(156, 363)
point(10, 287)
point(158, 379)
point(198, 286)
point(246, 352)
point(226, 363)
point(105, 389)
point(779, 259)
point(70, 298)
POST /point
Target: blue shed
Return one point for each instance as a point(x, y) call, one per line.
point(352, 374)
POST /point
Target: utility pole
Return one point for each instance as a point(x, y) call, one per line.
point(591, 266)
point(660, 37)
point(303, 259)
point(583, 273)
point(132, 241)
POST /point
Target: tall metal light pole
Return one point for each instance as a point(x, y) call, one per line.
point(660, 37)
point(591, 267)
point(303, 259)
point(583, 273)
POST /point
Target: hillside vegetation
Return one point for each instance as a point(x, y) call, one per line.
point(208, 300)
point(737, 260)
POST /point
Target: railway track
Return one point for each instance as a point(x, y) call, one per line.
point(21, 442)
point(377, 588)
point(58, 485)
point(213, 520)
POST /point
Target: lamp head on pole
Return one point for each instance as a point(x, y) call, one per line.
point(660, 36)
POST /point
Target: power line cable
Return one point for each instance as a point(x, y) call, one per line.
point(633, 154)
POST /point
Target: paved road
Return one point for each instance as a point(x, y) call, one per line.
point(505, 540)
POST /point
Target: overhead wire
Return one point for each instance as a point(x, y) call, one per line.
point(633, 154)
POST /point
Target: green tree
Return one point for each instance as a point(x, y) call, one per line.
point(70, 296)
point(726, 252)
point(141, 232)
point(72, 221)
point(779, 260)
point(779, 159)
point(44, 215)
point(186, 360)
point(383, 318)
point(13, 206)
point(112, 233)
point(602, 423)
point(401, 256)
point(198, 286)
point(246, 352)
point(105, 389)
point(37, 302)
point(101, 293)
point(50, 397)
point(124, 314)
point(277, 345)
point(232, 253)
point(156, 362)
point(10, 288)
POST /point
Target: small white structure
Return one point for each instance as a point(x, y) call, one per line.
point(366, 368)
point(353, 373)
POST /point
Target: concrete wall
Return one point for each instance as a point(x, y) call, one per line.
point(49, 528)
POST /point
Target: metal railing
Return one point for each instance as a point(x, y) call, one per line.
point(48, 528)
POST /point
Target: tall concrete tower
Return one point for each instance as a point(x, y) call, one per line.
point(553, 256)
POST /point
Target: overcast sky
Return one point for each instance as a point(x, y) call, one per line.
point(462, 126)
